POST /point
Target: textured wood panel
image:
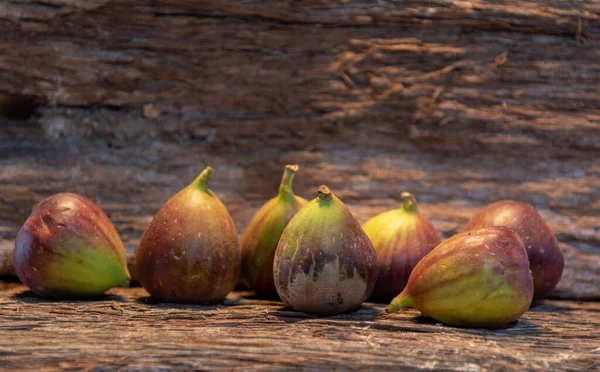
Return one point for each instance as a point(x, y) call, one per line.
point(123, 331)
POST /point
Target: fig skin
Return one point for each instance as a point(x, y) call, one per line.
point(479, 278)
point(324, 262)
point(401, 238)
point(546, 259)
point(259, 241)
point(69, 249)
point(190, 253)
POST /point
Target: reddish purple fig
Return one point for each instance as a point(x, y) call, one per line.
point(545, 257)
point(260, 239)
point(478, 278)
point(401, 237)
point(324, 262)
point(190, 251)
point(69, 249)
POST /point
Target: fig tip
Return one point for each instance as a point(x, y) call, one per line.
point(204, 178)
point(288, 179)
point(324, 192)
point(399, 302)
point(292, 167)
point(409, 203)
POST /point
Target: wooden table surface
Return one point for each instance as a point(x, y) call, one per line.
point(461, 103)
point(126, 331)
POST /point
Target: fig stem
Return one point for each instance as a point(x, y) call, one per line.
point(288, 179)
point(204, 178)
point(400, 302)
point(324, 193)
point(409, 203)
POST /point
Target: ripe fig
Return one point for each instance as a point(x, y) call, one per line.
point(545, 257)
point(478, 278)
point(69, 249)
point(260, 239)
point(189, 253)
point(401, 237)
point(324, 262)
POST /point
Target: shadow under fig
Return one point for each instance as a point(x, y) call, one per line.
point(365, 312)
point(249, 295)
point(28, 296)
point(420, 323)
point(543, 306)
point(9, 279)
point(155, 302)
point(517, 328)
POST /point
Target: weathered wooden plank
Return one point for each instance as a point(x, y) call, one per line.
point(459, 102)
point(123, 331)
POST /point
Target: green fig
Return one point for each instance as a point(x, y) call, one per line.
point(324, 262)
point(260, 239)
point(69, 249)
point(478, 278)
point(546, 259)
point(190, 253)
point(401, 237)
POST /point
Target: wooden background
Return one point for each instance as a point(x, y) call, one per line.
point(459, 102)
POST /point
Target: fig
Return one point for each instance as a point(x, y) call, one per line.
point(190, 253)
point(401, 237)
point(69, 249)
point(478, 278)
point(546, 259)
point(324, 262)
point(259, 241)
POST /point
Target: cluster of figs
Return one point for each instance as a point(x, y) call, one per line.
point(314, 255)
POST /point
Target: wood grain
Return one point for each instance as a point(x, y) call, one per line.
point(462, 103)
point(124, 331)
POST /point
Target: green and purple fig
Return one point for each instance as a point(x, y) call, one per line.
point(260, 239)
point(546, 259)
point(401, 237)
point(478, 278)
point(190, 253)
point(69, 249)
point(324, 262)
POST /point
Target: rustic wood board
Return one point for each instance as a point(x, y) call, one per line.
point(462, 103)
point(123, 331)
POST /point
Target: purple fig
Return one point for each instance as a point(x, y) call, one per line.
point(260, 239)
point(324, 262)
point(478, 278)
point(69, 249)
point(545, 257)
point(190, 251)
point(401, 237)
